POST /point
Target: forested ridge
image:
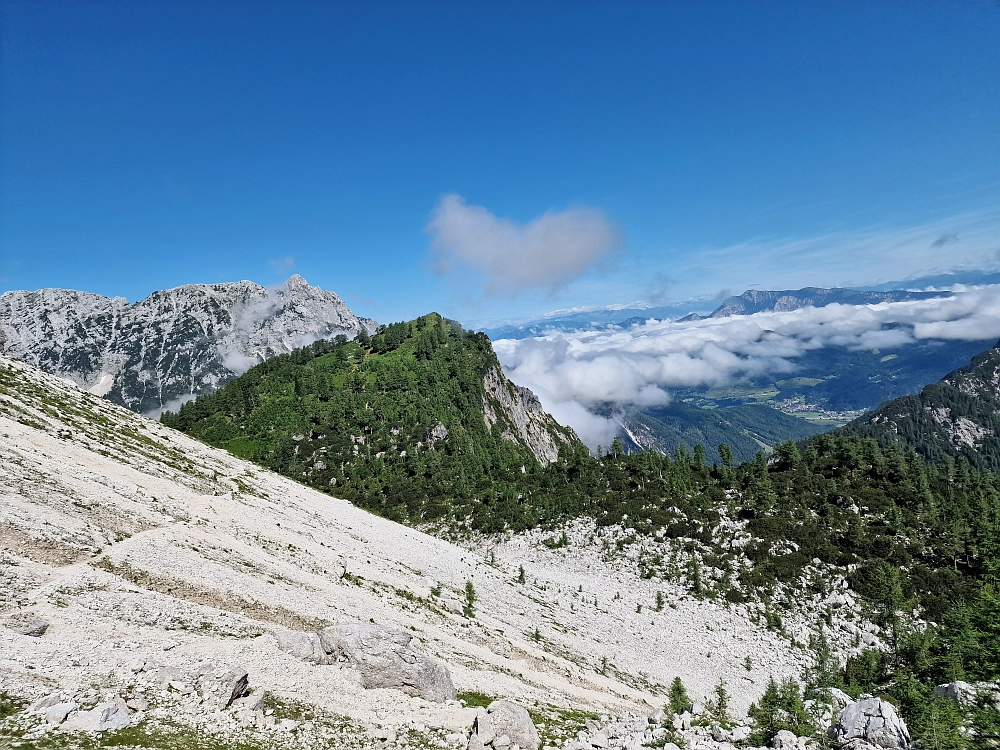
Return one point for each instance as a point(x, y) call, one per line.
point(918, 540)
point(956, 417)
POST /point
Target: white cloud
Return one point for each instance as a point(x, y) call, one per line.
point(640, 366)
point(548, 252)
point(173, 405)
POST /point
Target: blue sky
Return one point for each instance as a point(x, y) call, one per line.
point(713, 146)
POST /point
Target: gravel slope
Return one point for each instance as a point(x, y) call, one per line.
point(134, 541)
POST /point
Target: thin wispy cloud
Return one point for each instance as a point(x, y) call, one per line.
point(281, 266)
point(546, 253)
point(850, 258)
point(574, 373)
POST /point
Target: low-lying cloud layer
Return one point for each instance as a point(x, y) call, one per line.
point(572, 373)
point(547, 252)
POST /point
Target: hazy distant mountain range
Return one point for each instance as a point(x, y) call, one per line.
point(172, 344)
point(751, 301)
point(755, 301)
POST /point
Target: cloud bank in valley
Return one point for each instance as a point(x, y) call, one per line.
point(545, 253)
point(574, 372)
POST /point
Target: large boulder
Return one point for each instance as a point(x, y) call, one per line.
point(385, 659)
point(784, 740)
point(27, 624)
point(503, 725)
point(305, 646)
point(103, 717)
point(958, 690)
point(870, 722)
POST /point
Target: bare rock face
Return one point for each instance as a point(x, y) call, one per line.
point(103, 717)
point(871, 722)
point(172, 344)
point(502, 725)
point(382, 656)
point(27, 625)
point(519, 416)
point(304, 646)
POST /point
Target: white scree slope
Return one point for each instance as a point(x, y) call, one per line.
point(133, 540)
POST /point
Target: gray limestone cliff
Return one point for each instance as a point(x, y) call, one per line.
point(518, 414)
point(174, 343)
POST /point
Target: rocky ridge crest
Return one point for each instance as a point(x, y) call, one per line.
point(174, 343)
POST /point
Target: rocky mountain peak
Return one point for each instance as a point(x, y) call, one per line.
point(172, 344)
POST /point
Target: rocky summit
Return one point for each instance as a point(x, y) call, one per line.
point(171, 345)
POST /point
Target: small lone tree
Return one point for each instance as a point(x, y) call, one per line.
point(470, 600)
point(678, 700)
point(694, 576)
point(520, 574)
point(719, 707)
point(659, 601)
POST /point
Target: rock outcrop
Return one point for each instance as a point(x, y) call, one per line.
point(383, 657)
point(503, 726)
point(27, 624)
point(518, 414)
point(108, 716)
point(872, 722)
point(174, 343)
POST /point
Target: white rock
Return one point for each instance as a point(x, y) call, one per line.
point(784, 740)
point(57, 714)
point(958, 690)
point(513, 721)
point(106, 716)
point(384, 658)
point(873, 721)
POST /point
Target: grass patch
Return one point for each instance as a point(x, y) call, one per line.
point(556, 725)
point(475, 700)
point(10, 705)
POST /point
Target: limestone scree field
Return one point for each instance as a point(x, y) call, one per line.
point(139, 564)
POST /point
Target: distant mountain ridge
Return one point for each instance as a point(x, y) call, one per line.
point(755, 301)
point(174, 343)
point(750, 301)
point(956, 417)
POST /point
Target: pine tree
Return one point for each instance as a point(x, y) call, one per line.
point(678, 701)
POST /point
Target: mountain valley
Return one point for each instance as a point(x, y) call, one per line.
point(432, 542)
